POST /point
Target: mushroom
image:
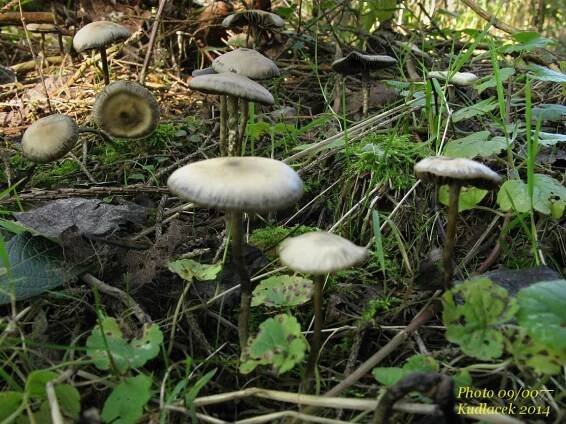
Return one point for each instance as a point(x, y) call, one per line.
point(358, 63)
point(319, 253)
point(99, 35)
point(43, 29)
point(456, 172)
point(126, 109)
point(235, 87)
point(237, 185)
point(249, 63)
point(256, 20)
point(52, 137)
point(203, 71)
point(458, 78)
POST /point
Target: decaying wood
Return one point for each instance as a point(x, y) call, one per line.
point(14, 18)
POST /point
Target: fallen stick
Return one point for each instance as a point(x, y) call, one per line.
point(20, 68)
point(14, 18)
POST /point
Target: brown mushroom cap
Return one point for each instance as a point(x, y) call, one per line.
point(355, 63)
point(238, 183)
point(99, 34)
point(320, 252)
point(50, 138)
point(232, 84)
point(259, 18)
point(126, 109)
point(246, 62)
point(446, 170)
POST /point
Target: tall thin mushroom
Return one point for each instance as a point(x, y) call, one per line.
point(456, 172)
point(319, 253)
point(256, 20)
point(99, 35)
point(358, 63)
point(238, 185)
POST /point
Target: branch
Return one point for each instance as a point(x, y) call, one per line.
point(490, 18)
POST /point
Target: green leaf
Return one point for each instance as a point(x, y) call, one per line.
point(69, 400)
point(279, 343)
point(126, 402)
point(527, 41)
point(546, 192)
point(542, 312)
point(549, 112)
point(550, 139)
point(124, 355)
point(188, 270)
point(472, 111)
point(416, 363)
point(9, 403)
point(192, 394)
point(474, 324)
point(282, 291)
point(36, 381)
point(474, 145)
point(36, 265)
point(526, 352)
point(504, 75)
point(542, 73)
point(469, 197)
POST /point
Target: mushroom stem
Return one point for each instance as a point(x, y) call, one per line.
point(237, 236)
point(244, 113)
point(99, 133)
point(223, 128)
point(61, 45)
point(104, 61)
point(232, 125)
point(448, 253)
point(365, 93)
point(318, 281)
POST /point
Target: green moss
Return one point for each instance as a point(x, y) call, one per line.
point(269, 237)
point(51, 175)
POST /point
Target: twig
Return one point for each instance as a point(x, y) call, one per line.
point(151, 44)
point(490, 18)
point(56, 416)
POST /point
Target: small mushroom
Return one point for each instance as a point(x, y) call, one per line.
point(457, 78)
point(126, 109)
point(251, 64)
point(319, 253)
point(49, 138)
point(43, 29)
point(237, 185)
point(357, 63)
point(456, 172)
point(236, 88)
point(99, 35)
point(256, 20)
point(203, 71)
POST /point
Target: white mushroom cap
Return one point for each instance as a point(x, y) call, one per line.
point(232, 84)
point(99, 34)
point(459, 78)
point(45, 28)
point(246, 62)
point(320, 252)
point(50, 138)
point(355, 62)
point(259, 18)
point(445, 170)
point(238, 183)
point(126, 109)
point(203, 71)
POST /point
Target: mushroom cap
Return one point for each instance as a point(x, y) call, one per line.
point(126, 109)
point(50, 138)
point(250, 184)
point(203, 71)
point(355, 63)
point(320, 252)
point(246, 62)
point(232, 84)
point(259, 18)
point(459, 78)
point(445, 170)
point(45, 28)
point(99, 34)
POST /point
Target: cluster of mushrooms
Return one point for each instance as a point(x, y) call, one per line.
point(123, 109)
point(239, 184)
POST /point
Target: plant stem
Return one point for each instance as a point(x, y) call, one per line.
point(237, 236)
point(365, 93)
point(104, 61)
point(244, 112)
point(223, 127)
point(232, 125)
point(448, 252)
point(317, 331)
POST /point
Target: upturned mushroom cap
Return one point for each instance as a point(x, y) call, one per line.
point(50, 138)
point(259, 18)
point(203, 71)
point(446, 170)
point(355, 63)
point(232, 84)
point(126, 109)
point(99, 34)
point(459, 78)
point(250, 184)
point(42, 28)
point(246, 62)
point(320, 252)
